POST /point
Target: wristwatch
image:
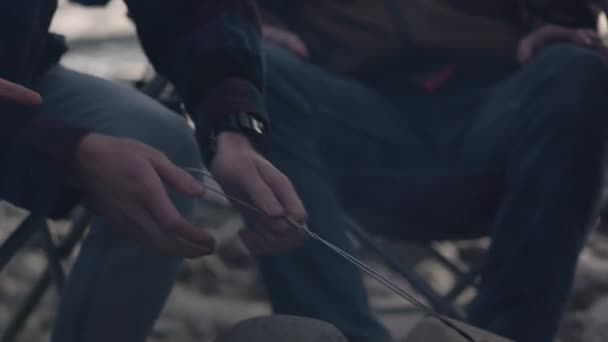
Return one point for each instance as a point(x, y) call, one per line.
point(242, 122)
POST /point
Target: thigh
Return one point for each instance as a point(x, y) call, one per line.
point(108, 107)
point(100, 106)
point(558, 93)
point(338, 115)
point(116, 285)
point(364, 144)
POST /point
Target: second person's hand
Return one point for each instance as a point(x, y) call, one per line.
point(123, 179)
point(244, 174)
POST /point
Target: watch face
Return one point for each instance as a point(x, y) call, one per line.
point(257, 126)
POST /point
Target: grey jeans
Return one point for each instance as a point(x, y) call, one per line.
point(116, 289)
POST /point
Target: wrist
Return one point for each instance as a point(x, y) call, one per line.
point(240, 130)
point(232, 140)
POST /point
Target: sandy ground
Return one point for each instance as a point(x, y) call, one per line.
point(213, 293)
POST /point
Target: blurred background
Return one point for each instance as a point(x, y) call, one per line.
point(215, 292)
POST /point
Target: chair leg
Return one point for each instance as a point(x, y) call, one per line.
point(457, 271)
point(56, 253)
point(19, 238)
point(31, 302)
point(417, 282)
point(79, 227)
point(52, 256)
point(469, 279)
point(54, 271)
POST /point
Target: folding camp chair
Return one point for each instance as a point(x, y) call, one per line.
point(466, 276)
point(42, 208)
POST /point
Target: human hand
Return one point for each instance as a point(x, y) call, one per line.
point(244, 174)
point(285, 39)
point(123, 179)
point(533, 43)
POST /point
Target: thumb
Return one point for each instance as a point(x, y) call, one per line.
point(175, 176)
point(14, 92)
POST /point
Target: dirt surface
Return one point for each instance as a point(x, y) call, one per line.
point(216, 292)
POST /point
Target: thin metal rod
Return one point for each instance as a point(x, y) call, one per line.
point(350, 258)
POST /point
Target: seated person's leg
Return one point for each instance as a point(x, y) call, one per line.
point(546, 127)
point(307, 106)
point(282, 329)
point(116, 288)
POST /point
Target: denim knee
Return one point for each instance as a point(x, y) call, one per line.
point(576, 79)
point(170, 134)
point(569, 61)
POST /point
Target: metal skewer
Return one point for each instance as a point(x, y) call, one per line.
point(370, 271)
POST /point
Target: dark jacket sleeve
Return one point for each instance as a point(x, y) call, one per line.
point(23, 38)
point(209, 49)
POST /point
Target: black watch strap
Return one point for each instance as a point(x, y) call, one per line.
point(243, 122)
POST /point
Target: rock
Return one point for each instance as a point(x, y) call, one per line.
point(598, 243)
point(168, 326)
point(439, 277)
point(573, 327)
point(33, 264)
point(210, 313)
point(431, 329)
point(283, 329)
point(591, 281)
point(596, 329)
point(11, 287)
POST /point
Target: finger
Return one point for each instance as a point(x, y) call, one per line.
point(278, 243)
point(141, 228)
point(150, 234)
point(594, 41)
point(586, 37)
point(524, 51)
point(296, 45)
point(287, 40)
point(16, 93)
point(176, 176)
point(531, 44)
point(264, 242)
point(262, 196)
point(169, 219)
point(188, 250)
point(284, 191)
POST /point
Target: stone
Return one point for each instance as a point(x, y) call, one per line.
point(573, 327)
point(431, 329)
point(591, 281)
point(209, 313)
point(168, 326)
point(282, 329)
point(596, 329)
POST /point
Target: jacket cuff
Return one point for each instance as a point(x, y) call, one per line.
point(230, 96)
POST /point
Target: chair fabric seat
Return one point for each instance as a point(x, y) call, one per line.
point(446, 209)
